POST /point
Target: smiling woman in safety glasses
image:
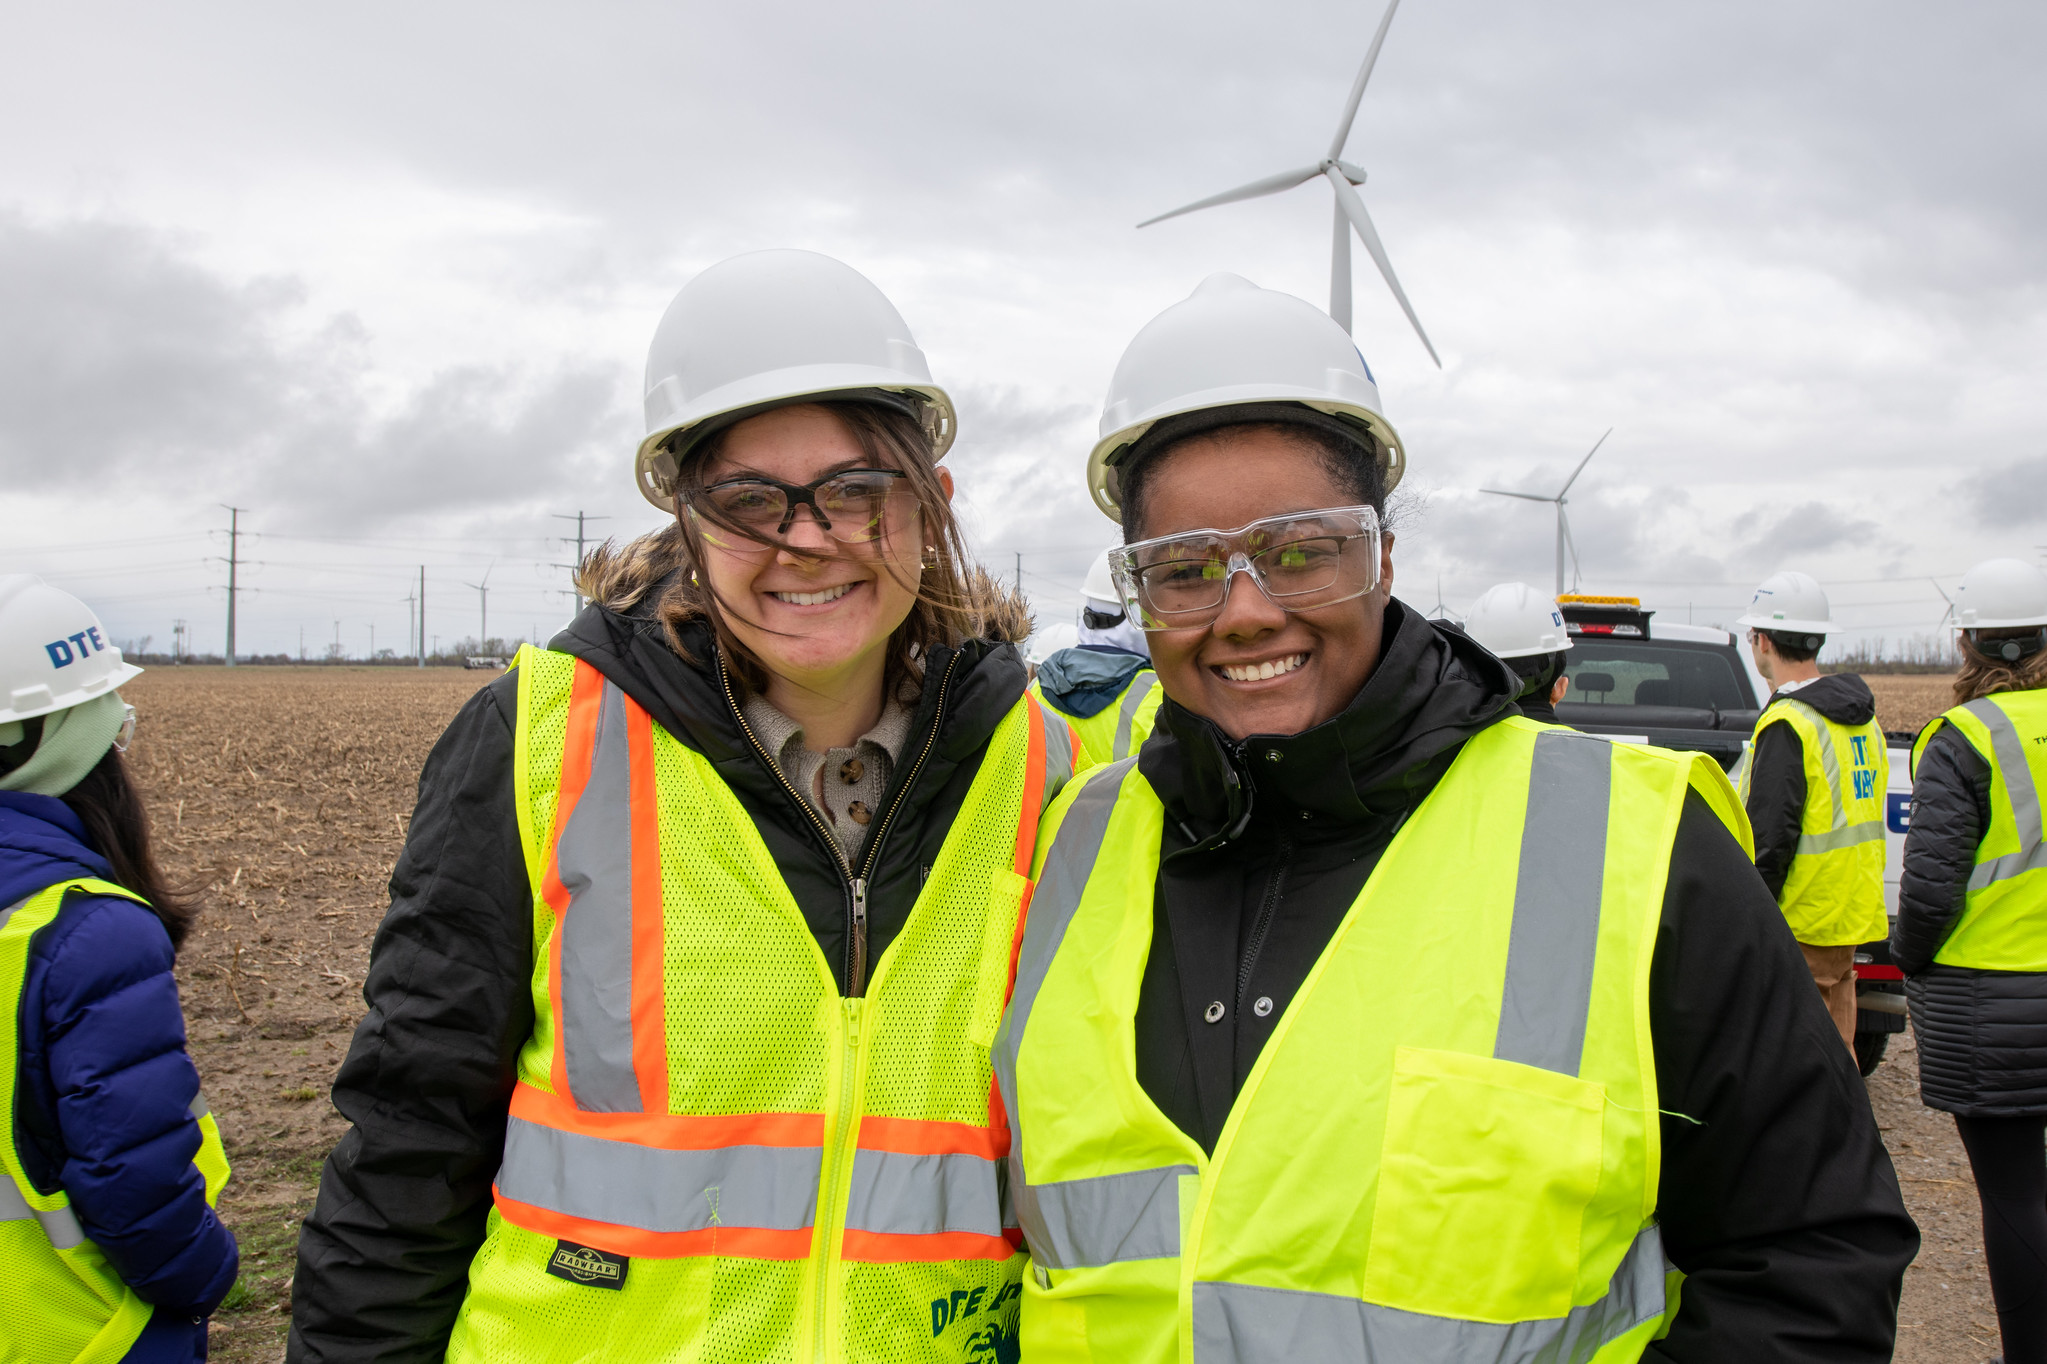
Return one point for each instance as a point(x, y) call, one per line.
point(1346, 1008)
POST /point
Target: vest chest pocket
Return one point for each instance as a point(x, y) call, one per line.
point(1484, 1179)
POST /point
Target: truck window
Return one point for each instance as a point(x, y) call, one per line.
point(1627, 673)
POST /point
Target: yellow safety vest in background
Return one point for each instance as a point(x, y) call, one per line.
point(1116, 731)
point(60, 1300)
point(1449, 1148)
point(1834, 892)
point(711, 1154)
point(2003, 926)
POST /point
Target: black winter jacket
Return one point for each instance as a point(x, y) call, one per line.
point(1776, 784)
point(1777, 1197)
point(1982, 1034)
point(384, 1257)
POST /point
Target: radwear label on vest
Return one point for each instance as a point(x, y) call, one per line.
point(581, 1264)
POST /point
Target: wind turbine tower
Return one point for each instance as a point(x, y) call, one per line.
point(483, 608)
point(1561, 499)
point(1349, 209)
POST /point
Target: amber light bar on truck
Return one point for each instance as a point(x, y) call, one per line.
point(1617, 616)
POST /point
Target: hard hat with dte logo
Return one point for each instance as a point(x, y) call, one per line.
point(53, 652)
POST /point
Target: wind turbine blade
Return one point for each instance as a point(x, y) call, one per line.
point(1354, 209)
point(1583, 462)
point(1357, 89)
point(1271, 184)
point(1356, 173)
point(1339, 268)
point(1526, 497)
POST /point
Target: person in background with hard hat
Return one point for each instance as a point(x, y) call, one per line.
point(1524, 628)
point(1972, 928)
point(1048, 641)
point(1104, 685)
point(1348, 1010)
point(1814, 784)
point(109, 1162)
point(678, 1029)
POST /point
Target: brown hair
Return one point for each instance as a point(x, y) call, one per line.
point(107, 801)
point(956, 599)
point(1981, 674)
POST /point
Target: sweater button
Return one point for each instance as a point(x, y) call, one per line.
point(851, 770)
point(1213, 1013)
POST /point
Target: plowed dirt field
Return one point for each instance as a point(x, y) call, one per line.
point(282, 795)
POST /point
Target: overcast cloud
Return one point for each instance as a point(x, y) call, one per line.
point(384, 275)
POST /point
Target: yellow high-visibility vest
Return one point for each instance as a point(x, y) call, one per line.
point(2003, 925)
point(60, 1301)
point(1449, 1148)
point(1834, 892)
point(1118, 730)
point(711, 1154)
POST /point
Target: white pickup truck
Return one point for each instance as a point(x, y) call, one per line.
point(1695, 687)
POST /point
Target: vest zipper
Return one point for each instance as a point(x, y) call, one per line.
point(1268, 908)
point(834, 1175)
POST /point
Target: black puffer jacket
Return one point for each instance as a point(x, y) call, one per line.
point(384, 1257)
point(1982, 1034)
point(1777, 1198)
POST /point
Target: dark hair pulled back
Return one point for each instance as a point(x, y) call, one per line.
point(109, 804)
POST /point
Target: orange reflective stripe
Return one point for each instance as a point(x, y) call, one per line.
point(649, 1014)
point(579, 750)
point(915, 1137)
point(893, 1248)
point(1033, 792)
point(743, 1243)
point(670, 1131)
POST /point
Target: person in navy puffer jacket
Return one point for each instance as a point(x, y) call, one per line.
point(105, 1094)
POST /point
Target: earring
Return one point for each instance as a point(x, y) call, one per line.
point(930, 559)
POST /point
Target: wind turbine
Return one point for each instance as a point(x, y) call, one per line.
point(1950, 613)
point(1349, 209)
point(1563, 521)
point(483, 603)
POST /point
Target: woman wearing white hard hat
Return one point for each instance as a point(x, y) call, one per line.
point(679, 1022)
point(1524, 628)
point(1971, 935)
point(1104, 684)
point(109, 1162)
point(1348, 1006)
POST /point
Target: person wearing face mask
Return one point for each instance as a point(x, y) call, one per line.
point(1523, 628)
point(679, 1021)
point(1971, 934)
point(1104, 684)
point(110, 1162)
point(1357, 1017)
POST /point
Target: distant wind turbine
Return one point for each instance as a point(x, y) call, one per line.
point(1349, 210)
point(1563, 521)
point(483, 605)
point(1950, 613)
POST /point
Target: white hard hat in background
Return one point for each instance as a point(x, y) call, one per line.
point(1050, 640)
point(1999, 594)
point(766, 328)
point(1229, 343)
point(1514, 620)
point(53, 653)
point(1791, 602)
point(1101, 584)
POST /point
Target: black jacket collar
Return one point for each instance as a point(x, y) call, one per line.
point(1433, 689)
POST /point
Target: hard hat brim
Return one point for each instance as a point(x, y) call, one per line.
point(98, 687)
point(1787, 627)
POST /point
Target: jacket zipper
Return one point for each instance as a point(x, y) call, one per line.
point(1268, 908)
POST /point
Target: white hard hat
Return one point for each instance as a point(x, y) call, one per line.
point(1791, 602)
point(1050, 640)
point(53, 653)
point(1515, 620)
point(1230, 343)
point(1101, 584)
point(767, 328)
point(2001, 593)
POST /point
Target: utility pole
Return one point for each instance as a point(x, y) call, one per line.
point(234, 534)
point(422, 615)
point(177, 641)
point(576, 569)
point(373, 641)
point(302, 644)
point(1019, 573)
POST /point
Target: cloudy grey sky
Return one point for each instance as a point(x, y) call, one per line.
point(384, 275)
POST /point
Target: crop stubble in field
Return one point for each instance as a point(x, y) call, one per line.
point(282, 793)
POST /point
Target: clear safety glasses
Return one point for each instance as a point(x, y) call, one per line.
point(126, 734)
point(1300, 561)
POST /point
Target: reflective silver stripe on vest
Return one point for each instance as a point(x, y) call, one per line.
point(198, 1108)
point(1557, 890)
point(1840, 834)
point(919, 1195)
point(59, 1224)
point(2010, 750)
point(594, 860)
point(1240, 1324)
point(1084, 1223)
point(1126, 713)
point(8, 913)
point(1058, 755)
point(1868, 831)
point(656, 1189)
